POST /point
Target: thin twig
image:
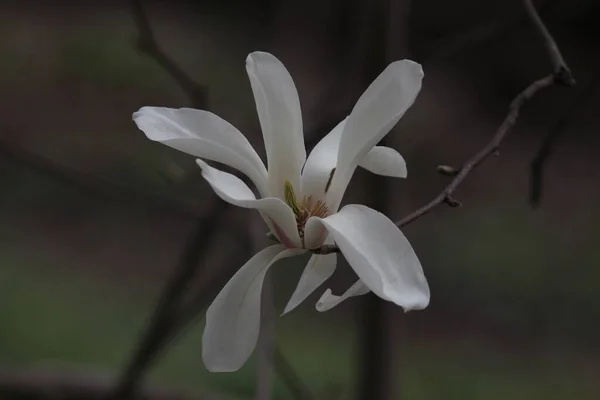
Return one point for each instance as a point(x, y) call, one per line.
point(147, 43)
point(198, 303)
point(266, 340)
point(478, 35)
point(561, 75)
point(170, 318)
point(161, 322)
point(562, 72)
point(544, 152)
point(95, 185)
point(289, 376)
point(180, 318)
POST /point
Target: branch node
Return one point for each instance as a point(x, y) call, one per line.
point(564, 77)
point(447, 170)
point(451, 201)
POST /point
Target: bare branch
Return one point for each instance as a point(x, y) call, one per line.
point(201, 299)
point(561, 75)
point(170, 317)
point(448, 46)
point(478, 35)
point(446, 195)
point(147, 43)
point(540, 159)
point(161, 322)
point(289, 376)
point(166, 321)
point(94, 185)
point(266, 339)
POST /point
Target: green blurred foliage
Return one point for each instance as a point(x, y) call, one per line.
point(57, 315)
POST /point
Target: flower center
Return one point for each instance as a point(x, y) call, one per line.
point(304, 209)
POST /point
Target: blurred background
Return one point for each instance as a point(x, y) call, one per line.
point(96, 219)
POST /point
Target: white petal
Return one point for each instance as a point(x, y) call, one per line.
point(320, 163)
point(233, 318)
point(202, 134)
point(374, 115)
point(323, 158)
point(317, 271)
point(280, 117)
point(380, 255)
point(384, 161)
point(329, 300)
point(231, 189)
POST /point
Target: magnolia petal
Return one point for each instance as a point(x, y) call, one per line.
point(380, 255)
point(384, 161)
point(315, 236)
point(320, 163)
point(280, 117)
point(374, 115)
point(329, 300)
point(233, 318)
point(276, 213)
point(202, 134)
point(318, 170)
point(318, 270)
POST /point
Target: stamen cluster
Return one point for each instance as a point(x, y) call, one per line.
point(304, 209)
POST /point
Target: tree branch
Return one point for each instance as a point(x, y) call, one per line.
point(170, 317)
point(561, 75)
point(147, 44)
point(477, 35)
point(540, 159)
point(94, 185)
point(166, 320)
point(161, 322)
point(289, 376)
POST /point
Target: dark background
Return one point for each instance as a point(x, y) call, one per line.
point(95, 216)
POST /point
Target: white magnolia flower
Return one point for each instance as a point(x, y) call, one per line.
point(300, 196)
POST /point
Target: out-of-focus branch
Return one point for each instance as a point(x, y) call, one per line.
point(184, 316)
point(289, 376)
point(266, 340)
point(40, 384)
point(469, 38)
point(477, 35)
point(147, 43)
point(170, 318)
point(95, 185)
point(540, 159)
point(377, 375)
point(266, 344)
point(561, 76)
point(161, 322)
point(378, 378)
point(562, 72)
